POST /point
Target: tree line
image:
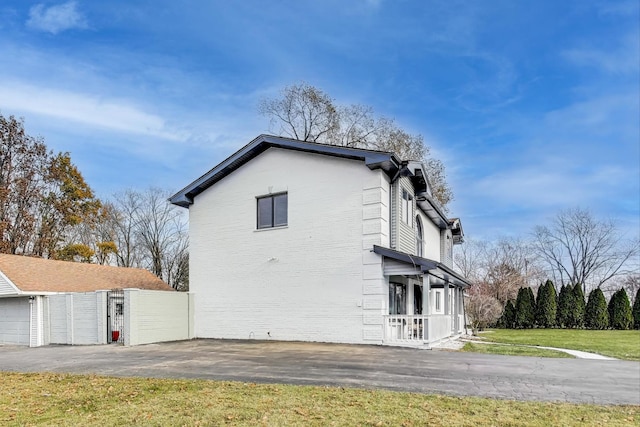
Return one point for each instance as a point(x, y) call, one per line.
point(48, 210)
point(568, 309)
point(576, 250)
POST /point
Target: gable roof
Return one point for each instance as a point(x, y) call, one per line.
point(371, 158)
point(33, 275)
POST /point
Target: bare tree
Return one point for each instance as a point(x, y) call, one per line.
point(307, 113)
point(124, 212)
point(503, 266)
point(151, 233)
point(578, 248)
point(470, 260)
point(482, 307)
point(303, 112)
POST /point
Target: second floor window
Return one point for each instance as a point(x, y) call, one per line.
point(406, 208)
point(273, 210)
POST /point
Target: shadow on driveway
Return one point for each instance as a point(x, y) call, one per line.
point(361, 366)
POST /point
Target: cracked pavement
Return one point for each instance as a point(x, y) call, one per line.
point(361, 366)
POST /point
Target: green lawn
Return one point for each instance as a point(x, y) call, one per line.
point(53, 399)
point(512, 350)
point(618, 344)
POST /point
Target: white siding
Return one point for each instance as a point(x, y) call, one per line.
point(14, 321)
point(6, 287)
point(314, 280)
point(446, 248)
point(85, 318)
point(77, 318)
point(431, 238)
point(58, 319)
point(156, 316)
point(406, 232)
point(36, 337)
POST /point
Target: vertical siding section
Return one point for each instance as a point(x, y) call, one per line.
point(394, 213)
point(58, 319)
point(406, 232)
point(446, 248)
point(36, 337)
point(85, 319)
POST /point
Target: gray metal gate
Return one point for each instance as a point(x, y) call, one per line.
point(115, 316)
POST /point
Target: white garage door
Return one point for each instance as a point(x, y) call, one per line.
point(14, 321)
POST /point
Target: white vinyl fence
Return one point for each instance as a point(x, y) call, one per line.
point(146, 317)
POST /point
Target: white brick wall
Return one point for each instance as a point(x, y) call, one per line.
point(314, 280)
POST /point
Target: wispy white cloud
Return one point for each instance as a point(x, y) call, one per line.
point(624, 58)
point(55, 19)
point(90, 110)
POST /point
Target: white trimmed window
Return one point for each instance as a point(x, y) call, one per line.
point(272, 210)
point(438, 301)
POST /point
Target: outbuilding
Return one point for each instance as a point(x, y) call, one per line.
point(46, 301)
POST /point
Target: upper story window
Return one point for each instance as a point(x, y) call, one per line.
point(407, 205)
point(272, 210)
point(419, 237)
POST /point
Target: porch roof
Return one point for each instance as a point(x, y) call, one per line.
point(427, 266)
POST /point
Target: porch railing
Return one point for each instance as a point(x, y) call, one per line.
point(406, 328)
point(421, 329)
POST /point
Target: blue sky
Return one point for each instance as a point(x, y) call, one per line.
point(533, 105)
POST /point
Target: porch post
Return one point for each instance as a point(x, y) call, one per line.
point(426, 290)
point(456, 308)
point(446, 298)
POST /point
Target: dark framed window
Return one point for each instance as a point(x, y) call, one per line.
point(272, 210)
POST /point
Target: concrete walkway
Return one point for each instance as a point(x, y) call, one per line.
point(575, 353)
point(360, 366)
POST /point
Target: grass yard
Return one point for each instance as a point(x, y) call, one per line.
point(512, 350)
point(53, 399)
point(619, 344)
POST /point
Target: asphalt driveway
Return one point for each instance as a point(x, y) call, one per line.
point(422, 371)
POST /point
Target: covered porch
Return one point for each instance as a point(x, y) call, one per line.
point(426, 300)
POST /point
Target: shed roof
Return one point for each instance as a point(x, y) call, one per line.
point(30, 274)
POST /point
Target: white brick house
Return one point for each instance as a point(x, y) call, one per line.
point(293, 240)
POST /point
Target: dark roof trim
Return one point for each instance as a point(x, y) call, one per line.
point(372, 159)
point(426, 265)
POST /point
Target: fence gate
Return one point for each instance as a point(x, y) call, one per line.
point(115, 316)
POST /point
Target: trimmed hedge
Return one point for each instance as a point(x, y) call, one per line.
point(525, 308)
point(596, 314)
point(620, 310)
point(546, 305)
point(636, 311)
point(576, 317)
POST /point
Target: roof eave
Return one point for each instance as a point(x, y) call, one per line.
point(387, 162)
point(427, 266)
